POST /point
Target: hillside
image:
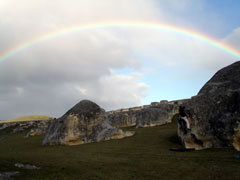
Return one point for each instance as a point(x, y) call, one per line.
point(27, 118)
point(143, 156)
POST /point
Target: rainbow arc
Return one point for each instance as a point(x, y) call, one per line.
point(143, 25)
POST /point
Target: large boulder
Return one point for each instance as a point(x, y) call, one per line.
point(214, 113)
point(122, 119)
point(158, 113)
point(86, 122)
point(155, 115)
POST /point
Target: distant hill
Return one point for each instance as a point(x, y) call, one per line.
point(28, 118)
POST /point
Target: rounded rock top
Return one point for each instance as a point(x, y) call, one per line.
point(85, 106)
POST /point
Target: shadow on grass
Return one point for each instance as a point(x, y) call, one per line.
point(174, 139)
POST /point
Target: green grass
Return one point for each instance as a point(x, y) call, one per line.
point(143, 156)
point(27, 118)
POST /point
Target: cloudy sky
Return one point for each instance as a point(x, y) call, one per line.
point(115, 67)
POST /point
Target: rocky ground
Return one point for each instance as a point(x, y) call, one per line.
point(34, 127)
point(8, 175)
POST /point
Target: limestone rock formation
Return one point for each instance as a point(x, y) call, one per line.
point(236, 138)
point(35, 127)
point(214, 113)
point(26, 166)
point(7, 125)
point(39, 130)
point(156, 115)
point(122, 118)
point(8, 175)
point(86, 122)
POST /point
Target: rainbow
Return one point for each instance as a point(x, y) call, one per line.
point(144, 25)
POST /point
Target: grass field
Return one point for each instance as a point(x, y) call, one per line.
point(27, 118)
point(143, 156)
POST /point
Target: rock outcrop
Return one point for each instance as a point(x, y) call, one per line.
point(35, 127)
point(86, 122)
point(7, 125)
point(8, 175)
point(38, 128)
point(123, 117)
point(26, 166)
point(214, 113)
point(158, 114)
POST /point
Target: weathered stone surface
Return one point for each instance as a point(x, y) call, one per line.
point(36, 132)
point(122, 119)
point(236, 138)
point(6, 125)
point(26, 166)
point(156, 115)
point(214, 113)
point(38, 128)
point(8, 175)
point(35, 127)
point(86, 122)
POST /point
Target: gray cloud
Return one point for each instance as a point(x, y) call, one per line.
point(51, 76)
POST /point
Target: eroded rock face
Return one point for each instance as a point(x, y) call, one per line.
point(236, 138)
point(156, 115)
point(7, 125)
point(86, 122)
point(215, 112)
point(36, 131)
point(35, 127)
point(8, 175)
point(26, 166)
point(122, 119)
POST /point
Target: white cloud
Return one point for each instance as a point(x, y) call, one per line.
point(82, 65)
point(169, 49)
point(116, 89)
point(234, 39)
point(52, 76)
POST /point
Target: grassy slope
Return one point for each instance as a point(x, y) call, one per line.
point(143, 156)
point(27, 118)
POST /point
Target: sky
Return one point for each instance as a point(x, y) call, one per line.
point(115, 67)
